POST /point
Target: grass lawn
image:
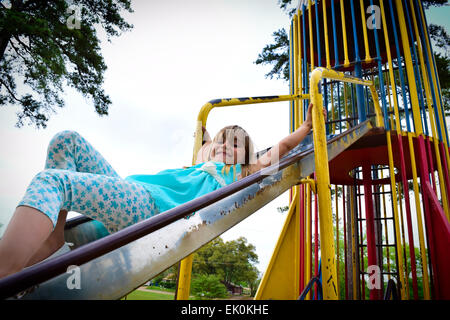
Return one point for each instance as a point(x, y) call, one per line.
point(145, 295)
point(164, 294)
point(160, 289)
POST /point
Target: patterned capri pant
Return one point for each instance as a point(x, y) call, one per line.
point(77, 178)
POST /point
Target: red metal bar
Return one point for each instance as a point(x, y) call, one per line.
point(376, 293)
point(445, 168)
point(345, 243)
point(301, 204)
point(408, 215)
point(337, 234)
point(310, 229)
point(361, 254)
point(431, 162)
point(316, 241)
point(441, 235)
point(429, 228)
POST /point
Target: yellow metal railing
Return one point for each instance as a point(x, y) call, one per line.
point(328, 253)
point(322, 184)
point(206, 109)
point(184, 278)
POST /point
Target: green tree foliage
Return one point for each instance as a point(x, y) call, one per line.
point(43, 45)
point(277, 53)
point(443, 65)
point(208, 286)
point(436, 3)
point(232, 261)
point(440, 37)
point(441, 40)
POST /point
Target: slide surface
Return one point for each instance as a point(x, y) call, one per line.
point(120, 271)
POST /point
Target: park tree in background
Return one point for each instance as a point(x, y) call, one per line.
point(442, 41)
point(232, 261)
point(46, 45)
point(208, 286)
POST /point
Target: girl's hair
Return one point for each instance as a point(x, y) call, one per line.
point(228, 133)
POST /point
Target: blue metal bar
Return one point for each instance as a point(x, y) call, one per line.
point(400, 69)
point(355, 35)
point(416, 69)
point(381, 78)
point(430, 76)
point(325, 104)
point(339, 107)
point(437, 84)
point(358, 69)
point(354, 109)
point(319, 58)
point(336, 54)
point(305, 63)
point(319, 55)
point(420, 91)
point(367, 99)
point(292, 74)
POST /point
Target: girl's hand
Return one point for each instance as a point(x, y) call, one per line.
point(308, 121)
point(206, 137)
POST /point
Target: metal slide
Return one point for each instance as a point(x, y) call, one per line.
point(111, 266)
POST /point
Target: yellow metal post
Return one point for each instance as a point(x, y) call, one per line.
point(426, 287)
point(184, 278)
point(391, 67)
point(403, 243)
point(296, 65)
point(386, 235)
point(300, 74)
point(184, 274)
point(308, 236)
point(311, 38)
point(296, 189)
point(422, 60)
point(400, 267)
point(325, 26)
point(364, 25)
point(280, 281)
point(328, 253)
point(390, 107)
point(354, 241)
point(344, 34)
point(409, 69)
point(337, 234)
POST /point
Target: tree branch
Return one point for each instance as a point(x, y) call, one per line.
point(9, 90)
point(17, 51)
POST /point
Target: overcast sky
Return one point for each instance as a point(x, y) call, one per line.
point(178, 56)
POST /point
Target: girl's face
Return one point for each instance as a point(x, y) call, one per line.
point(229, 148)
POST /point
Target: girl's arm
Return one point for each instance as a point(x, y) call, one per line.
point(286, 144)
point(202, 154)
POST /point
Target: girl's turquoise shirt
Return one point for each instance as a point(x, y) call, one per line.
point(173, 187)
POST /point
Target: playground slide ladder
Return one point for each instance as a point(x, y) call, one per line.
point(362, 247)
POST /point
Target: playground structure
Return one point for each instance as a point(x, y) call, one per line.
point(386, 44)
point(386, 131)
point(398, 71)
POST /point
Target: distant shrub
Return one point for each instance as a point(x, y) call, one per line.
point(208, 287)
